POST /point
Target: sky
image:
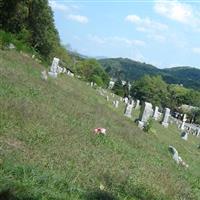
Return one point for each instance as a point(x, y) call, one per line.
point(165, 33)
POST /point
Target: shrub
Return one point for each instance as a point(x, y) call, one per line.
point(148, 126)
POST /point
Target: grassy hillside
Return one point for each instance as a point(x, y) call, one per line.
point(48, 149)
point(131, 70)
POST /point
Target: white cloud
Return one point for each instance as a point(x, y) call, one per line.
point(177, 11)
point(116, 40)
point(154, 30)
point(146, 24)
point(196, 50)
point(58, 6)
point(78, 18)
point(68, 10)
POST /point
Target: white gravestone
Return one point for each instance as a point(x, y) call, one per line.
point(174, 152)
point(44, 75)
point(54, 67)
point(176, 157)
point(165, 121)
point(111, 84)
point(126, 100)
point(137, 105)
point(145, 114)
point(116, 104)
point(128, 110)
point(183, 122)
point(107, 98)
point(156, 113)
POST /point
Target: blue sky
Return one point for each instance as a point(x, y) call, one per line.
point(159, 32)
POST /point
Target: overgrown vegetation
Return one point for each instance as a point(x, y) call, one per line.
point(29, 25)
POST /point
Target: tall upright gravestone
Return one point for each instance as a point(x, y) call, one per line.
point(165, 121)
point(54, 67)
point(128, 109)
point(137, 104)
point(156, 113)
point(183, 122)
point(145, 113)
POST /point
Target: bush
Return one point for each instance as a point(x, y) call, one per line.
point(148, 126)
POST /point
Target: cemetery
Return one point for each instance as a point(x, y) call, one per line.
point(97, 110)
point(82, 122)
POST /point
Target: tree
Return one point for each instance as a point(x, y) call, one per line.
point(118, 88)
point(92, 71)
point(151, 89)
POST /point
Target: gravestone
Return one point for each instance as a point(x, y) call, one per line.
point(59, 70)
point(44, 75)
point(128, 110)
point(54, 66)
point(166, 117)
point(126, 100)
point(11, 46)
point(176, 157)
point(145, 113)
point(137, 105)
point(116, 104)
point(156, 113)
point(64, 70)
point(198, 132)
point(107, 98)
point(111, 84)
point(184, 135)
point(183, 122)
point(174, 152)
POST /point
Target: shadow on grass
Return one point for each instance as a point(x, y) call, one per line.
point(9, 195)
point(99, 195)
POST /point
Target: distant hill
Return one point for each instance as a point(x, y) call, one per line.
point(128, 69)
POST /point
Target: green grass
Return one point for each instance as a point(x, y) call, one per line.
point(48, 149)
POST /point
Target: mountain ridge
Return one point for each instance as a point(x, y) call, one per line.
point(131, 70)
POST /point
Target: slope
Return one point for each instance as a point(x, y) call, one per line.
point(48, 149)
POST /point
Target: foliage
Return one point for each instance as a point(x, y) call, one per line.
point(148, 126)
point(131, 70)
point(92, 71)
point(118, 88)
point(32, 22)
point(150, 89)
point(153, 89)
point(29, 24)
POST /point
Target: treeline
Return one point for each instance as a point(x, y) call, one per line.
point(29, 25)
point(155, 90)
point(131, 70)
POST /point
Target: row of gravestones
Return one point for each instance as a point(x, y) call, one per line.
point(147, 112)
point(55, 69)
point(187, 127)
